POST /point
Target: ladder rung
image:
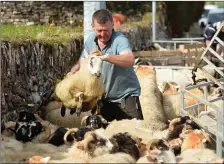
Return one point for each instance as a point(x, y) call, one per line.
point(212, 78)
point(219, 40)
point(213, 66)
point(216, 54)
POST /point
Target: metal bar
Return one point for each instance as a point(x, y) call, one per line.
point(216, 54)
point(170, 41)
point(219, 40)
point(219, 133)
point(182, 112)
point(153, 21)
point(212, 78)
point(213, 66)
point(204, 84)
point(213, 100)
point(201, 100)
point(199, 38)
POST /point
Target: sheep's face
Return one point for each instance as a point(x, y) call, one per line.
point(95, 65)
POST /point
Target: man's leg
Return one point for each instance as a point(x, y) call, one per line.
point(109, 110)
point(132, 108)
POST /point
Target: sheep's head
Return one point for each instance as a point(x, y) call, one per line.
point(95, 65)
point(195, 139)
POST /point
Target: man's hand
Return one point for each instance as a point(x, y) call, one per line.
point(96, 52)
point(69, 73)
point(99, 54)
point(104, 57)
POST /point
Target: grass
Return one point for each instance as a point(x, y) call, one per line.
point(46, 34)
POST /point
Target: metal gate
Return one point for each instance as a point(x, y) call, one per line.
point(219, 124)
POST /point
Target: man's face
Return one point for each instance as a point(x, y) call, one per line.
point(103, 31)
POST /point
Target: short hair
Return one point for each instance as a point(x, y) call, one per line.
point(102, 16)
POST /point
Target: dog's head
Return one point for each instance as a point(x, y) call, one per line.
point(26, 116)
point(94, 122)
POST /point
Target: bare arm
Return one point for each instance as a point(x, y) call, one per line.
point(125, 59)
point(207, 42)
point(76, 67)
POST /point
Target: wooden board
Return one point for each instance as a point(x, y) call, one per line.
point(157, 53)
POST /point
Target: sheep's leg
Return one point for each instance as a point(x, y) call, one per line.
point(96, 110)
point(72, 111)
point(79, 96)
point(63, 109)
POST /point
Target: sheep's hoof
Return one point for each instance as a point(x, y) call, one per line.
point(63, 109)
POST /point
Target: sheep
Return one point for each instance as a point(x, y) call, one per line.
point(106, 158)
point(176, 127)
point(113, 158)
point(116, 145)
point(171, 103)
point(53, 115)
point(14, 150)
point(194, 139)
point(133, 127)
point(84, 86)
point(198, 156)
point(179, 125)
point(169, 88)
point(150, 99)
point(158, 152)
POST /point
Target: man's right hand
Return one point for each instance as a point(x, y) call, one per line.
point(69, 73)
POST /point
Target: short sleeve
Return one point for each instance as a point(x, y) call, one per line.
point(84, 53)
point(209, 32)
point(123, 44)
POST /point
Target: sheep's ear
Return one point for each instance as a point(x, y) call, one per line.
point(46, 159)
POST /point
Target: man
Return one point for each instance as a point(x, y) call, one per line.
point(121, 83)
point(89, 8)
point(210, 31)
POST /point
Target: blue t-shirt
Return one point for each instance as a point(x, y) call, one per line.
point(119, 81)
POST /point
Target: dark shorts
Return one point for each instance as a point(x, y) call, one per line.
point(130, 108)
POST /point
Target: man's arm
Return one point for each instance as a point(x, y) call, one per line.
point(76, 67)
point(124, 59)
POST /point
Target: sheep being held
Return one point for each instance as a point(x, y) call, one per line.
point(84, 87)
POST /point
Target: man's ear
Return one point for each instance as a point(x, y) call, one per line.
point(92, 25)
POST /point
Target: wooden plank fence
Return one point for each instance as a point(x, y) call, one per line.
point(186, 55)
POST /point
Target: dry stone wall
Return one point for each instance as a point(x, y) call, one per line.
point(42, 12)
point(29, 74)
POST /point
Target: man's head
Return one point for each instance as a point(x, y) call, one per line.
point(102, 24)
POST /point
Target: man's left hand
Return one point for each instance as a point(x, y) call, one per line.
point(99, 54)
point(104, 57)
point(96, 52)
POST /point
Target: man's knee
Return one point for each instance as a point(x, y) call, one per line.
point(133, 108)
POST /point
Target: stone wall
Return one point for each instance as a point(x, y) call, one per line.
point(42, 12)
point(29, 74)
